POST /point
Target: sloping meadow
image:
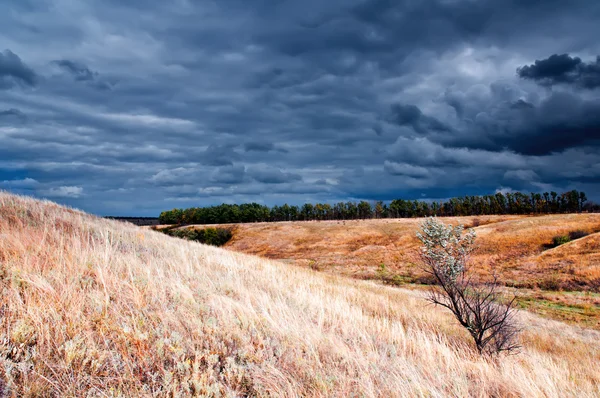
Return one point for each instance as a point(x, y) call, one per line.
point(94, 307)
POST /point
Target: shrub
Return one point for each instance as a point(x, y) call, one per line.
point(560, 240)
point(382, 272)
point(209, 236)
point(478, 307)
point(315, 266)
point(550, 283)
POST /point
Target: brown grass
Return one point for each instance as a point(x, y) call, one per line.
point(514, 247)
point(519, 251)
point(94, 307)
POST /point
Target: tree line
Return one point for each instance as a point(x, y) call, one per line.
point(500, 203)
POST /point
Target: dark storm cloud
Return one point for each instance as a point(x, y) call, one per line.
point(521, 104)
point(79, 71)
point(218, 155)
point(259, 146)
point(559, 121)
point(12, 112)
point(387, 32)
point(82, 73)
point(138, 107)
point(411, 115)
point(272, 175)
point(229, 174)
point(562, 121)
point(14, 71)
point(565, 69)
point(12, 115)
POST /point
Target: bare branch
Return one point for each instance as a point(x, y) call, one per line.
point(477, 306)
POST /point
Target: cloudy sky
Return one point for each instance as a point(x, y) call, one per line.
point(130, 107)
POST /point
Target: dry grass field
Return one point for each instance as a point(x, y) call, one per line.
point(97, 308)
point(514, 247)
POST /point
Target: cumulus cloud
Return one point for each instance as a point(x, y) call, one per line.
point(421, 151)
point(11, 112)
point(80, 72)
point(411, 115)
point(12, 115)
point(495, 118)
point(177, 176)
point(272, 175)
point(564, 69)
point(406, 169)
point(14, 71)
point(259, 146)
point(219, 155)
point(524, 175)
point(24, 183)
point(233, 174)
point(64, 192)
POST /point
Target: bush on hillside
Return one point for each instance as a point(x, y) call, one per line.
point(560, 240)
point(209, 236)
point(479, 306)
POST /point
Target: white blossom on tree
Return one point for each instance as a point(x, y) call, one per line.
point(478, 306)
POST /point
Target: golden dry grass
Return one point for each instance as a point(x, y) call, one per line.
point(518, 250)
point(511, 246)
point(94, 307)
point(354, 248)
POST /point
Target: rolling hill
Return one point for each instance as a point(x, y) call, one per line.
point(95, 307)
point(515, 247)
point(562, 283)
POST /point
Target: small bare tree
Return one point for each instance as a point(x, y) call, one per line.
point(478, 306)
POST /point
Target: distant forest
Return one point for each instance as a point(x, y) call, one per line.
point(499, 203)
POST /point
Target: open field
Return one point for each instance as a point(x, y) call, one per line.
point(94, 307)
point(514, 247)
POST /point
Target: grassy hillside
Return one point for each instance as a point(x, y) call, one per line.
point(513, 246)
point(94, 307)
point(562, 283)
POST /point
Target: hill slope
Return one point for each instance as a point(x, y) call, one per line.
point(93, 307)
point(561, 283)
point(513, 246)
